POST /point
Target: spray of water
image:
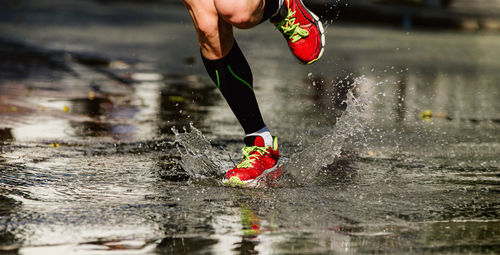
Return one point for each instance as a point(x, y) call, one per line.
point(303, 167)
point(201, 161)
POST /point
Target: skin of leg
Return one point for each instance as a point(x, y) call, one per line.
point(242, 14)
point(215, 35)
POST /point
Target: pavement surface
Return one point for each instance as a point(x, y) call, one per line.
point(389, 143)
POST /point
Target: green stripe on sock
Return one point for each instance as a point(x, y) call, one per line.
point(217, 75)
point(237, 77)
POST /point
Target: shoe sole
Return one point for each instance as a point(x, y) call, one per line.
point(235, 182)
point(321, 31)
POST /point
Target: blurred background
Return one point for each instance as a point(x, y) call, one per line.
point(403, 113)
point(58, 55)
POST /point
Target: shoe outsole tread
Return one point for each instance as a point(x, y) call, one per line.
point(321, 31)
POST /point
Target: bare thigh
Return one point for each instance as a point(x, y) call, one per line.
point(215, 36)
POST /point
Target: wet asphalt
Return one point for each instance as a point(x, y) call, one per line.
point(390, 143)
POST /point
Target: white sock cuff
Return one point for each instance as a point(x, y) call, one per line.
point(265, 134)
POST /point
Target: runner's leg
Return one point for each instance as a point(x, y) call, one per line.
point(226, 64)
point(228, 68)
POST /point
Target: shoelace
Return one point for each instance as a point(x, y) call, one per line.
point(292, 29)
point(250, 158)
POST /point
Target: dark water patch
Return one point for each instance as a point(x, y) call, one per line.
point(94, 129)
point(7, 204)
point(20, 61)
point(183, 101)
point(92, 60)
point(68, 149)
point(122, 245)
point(32, 88)
point(100, 246)
point(118, 131)
point(6, 135)
point(92, 107)
point(9, 244)
point(185, 245)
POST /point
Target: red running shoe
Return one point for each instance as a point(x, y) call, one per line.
point(303, 31)
point(257, 159)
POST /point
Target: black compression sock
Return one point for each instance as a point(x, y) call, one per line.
point(270, 8)
point(233, 77)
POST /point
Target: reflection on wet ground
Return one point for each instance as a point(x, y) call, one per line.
point(390, 144)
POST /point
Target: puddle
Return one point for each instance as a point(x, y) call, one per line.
point(390, 144)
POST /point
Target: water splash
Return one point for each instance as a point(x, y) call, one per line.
point(303, 167)
point(201, 161)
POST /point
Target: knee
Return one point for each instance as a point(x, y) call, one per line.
point(215, 38)
point(240, 14)
point(208, 28)
point(206, 25)
point(243, 20)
